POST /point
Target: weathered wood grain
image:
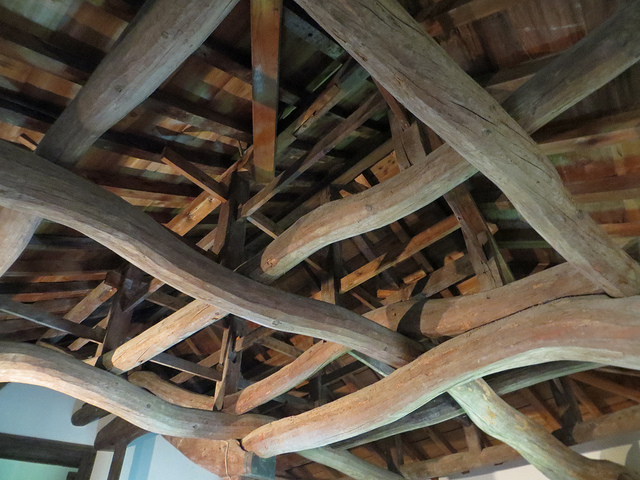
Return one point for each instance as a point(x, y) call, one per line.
point(288, 377)
point(23, 363)
point(154, 45)
point(37, 186)
point(170, 392)
point(453, 316)
point(496, 141)
point(594, 329)
point(444, 408)
point(16, 229)
point(539, 447)
point(349, 464)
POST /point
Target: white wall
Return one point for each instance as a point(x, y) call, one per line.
point(42, 413)
point(624, 449)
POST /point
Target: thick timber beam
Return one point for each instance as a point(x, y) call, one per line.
point(592, 329)
point(539, 447)
point(348, 464)
point(37, 186)
point(421, 317)
point(23, 363)
point(627, 420)
point(155, 44)
point(16, 230)
point(162, 36)
point(440, 94)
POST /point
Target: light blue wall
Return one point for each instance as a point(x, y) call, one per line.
point(39, 412)
point(13, 470)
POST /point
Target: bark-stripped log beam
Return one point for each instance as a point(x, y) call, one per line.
point(170, 392)
point(545, 452)
point(445, 408)
point(155, 44)
point(288, 377)
point(591, 329)
point(453, 316)
point(435, 317)
point(266, 22)
point(225, 458)
point(601, 56)
point(39, 187)
point(16, 229)
point(22, 363)
point(349, 464)
point(627, 420)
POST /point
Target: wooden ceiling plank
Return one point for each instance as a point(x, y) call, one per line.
point(545, 452)
point(412, 188)
point(266, 23)
point(541, 334)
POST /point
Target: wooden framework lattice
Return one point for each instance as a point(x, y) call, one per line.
point(308, 244)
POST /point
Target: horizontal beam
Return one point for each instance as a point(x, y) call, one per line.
point(592, 329)
point(35, 185)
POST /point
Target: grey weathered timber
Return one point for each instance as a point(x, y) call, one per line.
point(444, 408)
point(32, 184)
point(349, 464)
point(592, 329)
point(440, 94)
point(155, 44)
point(16, 229)
point(627, 420)
point(23, 363)
point(41, 317)
point(545, 452)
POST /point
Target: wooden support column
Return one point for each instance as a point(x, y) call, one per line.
point(119, 317)
point(533, 442)
point(492, 141)
point(266, 22)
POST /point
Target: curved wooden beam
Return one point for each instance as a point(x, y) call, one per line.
point(36, 186)
point(16, 229)
point(154, 45)
point(24, 363)
point(456, 315)
point(169, 392)
point(433, 317)
point(444, 408)
point(226, 457)
point(383, 37)
point(593, 329)
point(540, 448)
point(288, 377)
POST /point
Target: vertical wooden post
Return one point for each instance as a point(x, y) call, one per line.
point(266, 21)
